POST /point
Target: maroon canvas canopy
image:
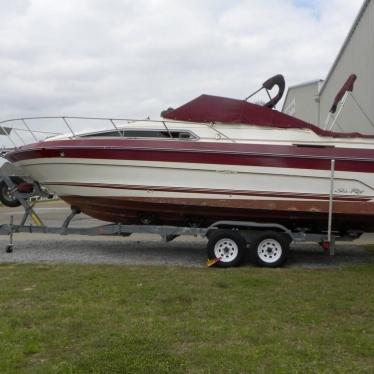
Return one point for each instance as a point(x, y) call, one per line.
point(212, 109)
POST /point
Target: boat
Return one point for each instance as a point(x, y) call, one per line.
point(211, 159)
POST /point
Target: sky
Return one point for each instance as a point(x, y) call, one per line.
point(132, 59)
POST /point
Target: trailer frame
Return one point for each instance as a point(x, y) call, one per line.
point(247, 230)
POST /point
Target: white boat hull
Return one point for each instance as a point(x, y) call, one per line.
point(172, 192)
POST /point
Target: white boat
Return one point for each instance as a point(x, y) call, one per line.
point(211, 159)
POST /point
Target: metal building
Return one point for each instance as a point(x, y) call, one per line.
point(302, 101)
point(312, 101)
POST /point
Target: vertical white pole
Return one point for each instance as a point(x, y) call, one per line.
point(331, 205)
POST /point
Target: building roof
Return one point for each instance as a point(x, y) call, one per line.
point(309, 83)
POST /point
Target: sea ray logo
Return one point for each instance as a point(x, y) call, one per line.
point(349, 191)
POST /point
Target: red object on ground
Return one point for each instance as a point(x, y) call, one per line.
point(325, 245)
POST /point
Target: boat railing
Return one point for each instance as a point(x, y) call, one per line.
point(26, 130)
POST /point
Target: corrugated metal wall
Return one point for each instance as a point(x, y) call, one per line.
point(358, 58)
point(301, 102)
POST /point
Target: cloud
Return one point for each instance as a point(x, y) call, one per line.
point(123, 58)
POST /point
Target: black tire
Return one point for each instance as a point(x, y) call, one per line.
point(270, 249)
point(6, 197)
point(228, 246)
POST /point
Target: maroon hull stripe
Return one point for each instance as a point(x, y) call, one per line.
point(206, 153)
point(211, 191)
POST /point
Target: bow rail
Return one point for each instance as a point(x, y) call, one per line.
point(26, 130)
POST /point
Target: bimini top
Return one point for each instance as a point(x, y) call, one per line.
point(212, 109)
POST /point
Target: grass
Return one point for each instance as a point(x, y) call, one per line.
point(112, 319)
point(370, 248)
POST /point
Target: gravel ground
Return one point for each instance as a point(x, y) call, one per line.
point(144, 249)
point(140, 250)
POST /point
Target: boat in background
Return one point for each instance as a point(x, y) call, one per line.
point(211, 159)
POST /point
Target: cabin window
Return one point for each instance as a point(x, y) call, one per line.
point(144, 134)
point(104, 133)
point(158, 134)
point(314, 145)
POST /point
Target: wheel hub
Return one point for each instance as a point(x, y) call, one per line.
point(226, 250)
point(8, 194)
point(269, 250)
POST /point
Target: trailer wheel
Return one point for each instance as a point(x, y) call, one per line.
point(270, 249)
point(6, 196)
point(227, 246)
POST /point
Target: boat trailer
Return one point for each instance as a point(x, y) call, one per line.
point(229, 242)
